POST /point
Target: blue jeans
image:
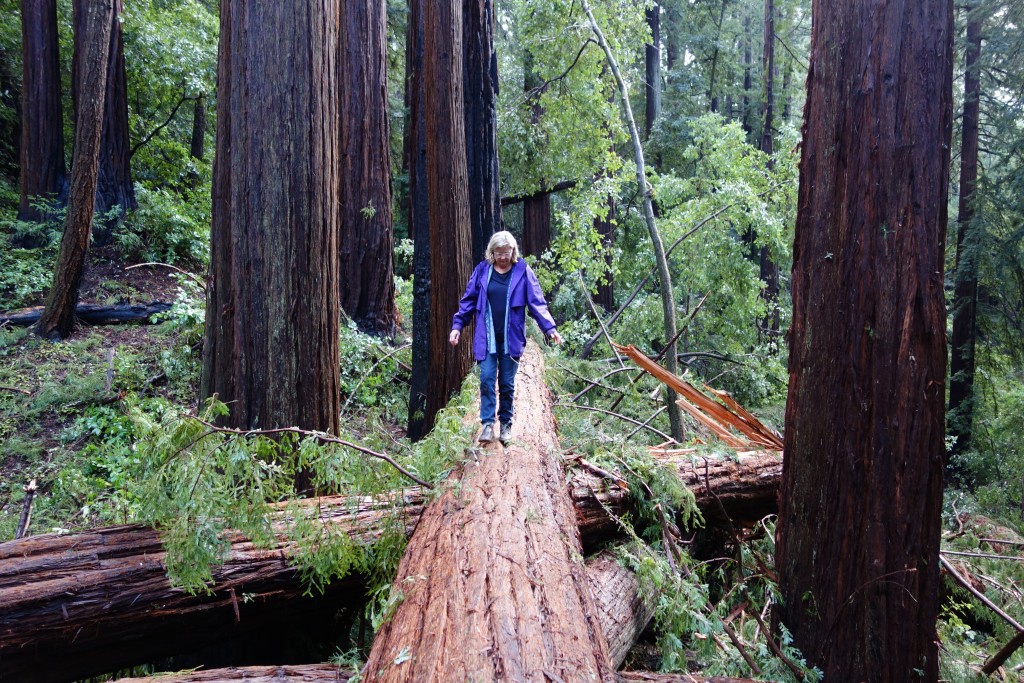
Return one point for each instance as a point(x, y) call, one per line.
point(502, 368)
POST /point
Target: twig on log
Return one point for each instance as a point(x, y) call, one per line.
point(595, 382)
point(648, 421)
point(195, 278)
point(988, 556)
point(1000, 542)
point(16, 389)
point(1000, 657)
point(775, 647)
point(319, 436)
point(620, 416)
point(26, 510)
point(370, 372)
point(603, 473)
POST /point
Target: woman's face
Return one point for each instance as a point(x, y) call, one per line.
point(503, 257)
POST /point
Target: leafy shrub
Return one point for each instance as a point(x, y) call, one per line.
point(167, 227)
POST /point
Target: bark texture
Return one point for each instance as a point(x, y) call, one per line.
point(480, 73)
point(493, 582)
point(58, 316)
point(451, 261)
point(965, 294)
point(42, 131)
point(858, 531)
point(367, 243)
point(769, 329)
point(272, 315)
point(197, 142)
point(419, 223)
point(652, 70)
point(91, 314)
point(114, 185)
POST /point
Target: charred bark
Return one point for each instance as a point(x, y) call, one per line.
point(860, 506)
point(272, 316)
point(42, 172)
point(965, 293)
point(10, 126)
point(367, 282)
point(415, 144)
point(605, 227)
point(447, 186)
point(58, 316)
point(91, 314)
point(491, 584)
point(114, 185)
point(197, 143)
point(480, 69)
point(769, 329)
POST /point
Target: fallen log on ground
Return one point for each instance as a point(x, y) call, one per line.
point(102, 597)
point(91, 314)
point(624, 614)
point(492, 585)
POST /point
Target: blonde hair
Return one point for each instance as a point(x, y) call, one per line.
point(498, 240)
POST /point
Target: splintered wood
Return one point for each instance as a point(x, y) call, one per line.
point(492, 586)
point(717, 415)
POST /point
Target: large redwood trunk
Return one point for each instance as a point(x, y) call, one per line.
point(114, 185)
point(860, 507)
point(43, 174)
point(451, 261)
point(415, 144)
point(58, 317)
point(272, 315)
point(491, 581)
point(480, 69)
point(367, 243)
point(965, 294)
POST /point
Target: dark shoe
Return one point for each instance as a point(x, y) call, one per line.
point(487, 435)
point(506, 433)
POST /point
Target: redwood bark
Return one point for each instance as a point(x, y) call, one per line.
point(42, 131)
point(450, 243)
point(197, 144)
point(272, 314)
point(605, 227)
point(10, 125)
point(965, 293)
point(492, 584)
point(114, 184)
point(419, 223)
point(769, 329)
point(860, 506)
point(58, 316)
point(480, 69)
point(367, 241)
point(102, 598)
point(536, 206)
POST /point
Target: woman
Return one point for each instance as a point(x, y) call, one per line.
point(500, 291)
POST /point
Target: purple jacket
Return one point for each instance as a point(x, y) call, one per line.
point(524, 293)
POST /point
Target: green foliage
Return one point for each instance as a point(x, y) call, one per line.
point(369, 370)
point(168, 227)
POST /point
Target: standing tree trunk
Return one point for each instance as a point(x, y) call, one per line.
point(712, 92)
point(419, 225)
point(197, 145)
point(652, 58)
point(450, 243)
point(769, 269)
point(10, 126)
point(114, 184)
point(480, 75)
point(965, 294)
point(536, 206)
point(861, 500)
point(271, 344)
point(605, 227)
point(668, 305)
point(59, 314)
point(42, 132)
point(367, 242)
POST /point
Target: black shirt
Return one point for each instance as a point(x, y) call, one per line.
point(497, 298)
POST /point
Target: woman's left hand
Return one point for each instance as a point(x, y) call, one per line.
point(555, 337)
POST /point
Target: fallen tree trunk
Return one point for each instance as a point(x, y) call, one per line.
point(492, 585)
point(91, 314)
point(623, 612)
point(102, 597)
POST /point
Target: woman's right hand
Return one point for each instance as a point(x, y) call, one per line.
point(453, 338)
